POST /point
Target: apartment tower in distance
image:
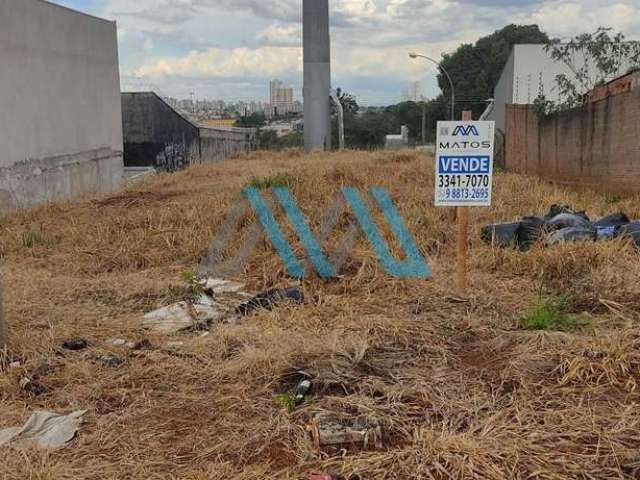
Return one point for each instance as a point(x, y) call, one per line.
point(280, 97)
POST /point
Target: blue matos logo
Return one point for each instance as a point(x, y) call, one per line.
point(469, 130)
point(414, 265)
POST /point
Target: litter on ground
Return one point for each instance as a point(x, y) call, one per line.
point(560, 225)
point(329, 430)
point(44, 430)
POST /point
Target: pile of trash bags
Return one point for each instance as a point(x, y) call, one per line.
point(561, 224)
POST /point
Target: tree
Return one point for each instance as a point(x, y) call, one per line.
point(349, 104)
point(255, 120)
point(593, 59)
point(476, 69)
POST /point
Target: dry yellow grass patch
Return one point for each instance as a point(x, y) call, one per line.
point(460, 390)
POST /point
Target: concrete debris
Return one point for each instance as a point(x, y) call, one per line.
point(13, 365)
point(172, 345)
point(331, 430)
point(182, 316)
point(75, 344)
point(268, 300)
point(219, 286)
point(44, 430)
point(171, 319)
point(122, 343)
point(320, 476)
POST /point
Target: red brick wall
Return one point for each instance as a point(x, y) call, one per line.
point(596, 146)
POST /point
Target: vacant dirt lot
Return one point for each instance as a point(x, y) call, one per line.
point(460, 387)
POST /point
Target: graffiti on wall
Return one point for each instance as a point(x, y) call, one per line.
point(172, 158)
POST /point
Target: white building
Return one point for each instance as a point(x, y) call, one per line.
point(529, 72)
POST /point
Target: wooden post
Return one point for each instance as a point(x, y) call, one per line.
point(462, 215)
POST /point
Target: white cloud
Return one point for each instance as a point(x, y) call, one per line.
point(219, 43)
point(566, 19)
point(281, 35)
point(220, 63)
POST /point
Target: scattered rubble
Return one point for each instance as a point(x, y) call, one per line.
point(331, 430)
point(213, 306)
point(44, 430)
point(219, 286)
point(183, 316)
point(562, 224)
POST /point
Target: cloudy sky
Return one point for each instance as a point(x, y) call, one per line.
point(230, 49)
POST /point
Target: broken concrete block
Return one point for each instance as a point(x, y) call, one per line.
point(331, 430)
point(219, 286)
point(171, 319)
point(181, 316)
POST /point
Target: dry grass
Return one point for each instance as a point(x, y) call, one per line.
point(461, 390)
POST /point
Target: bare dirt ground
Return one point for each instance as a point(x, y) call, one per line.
point(459, 387)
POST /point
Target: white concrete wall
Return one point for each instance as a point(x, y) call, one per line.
point(503, 94)
point(60, 105)
point(529, 72)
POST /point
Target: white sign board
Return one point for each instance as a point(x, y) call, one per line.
point(464, 164)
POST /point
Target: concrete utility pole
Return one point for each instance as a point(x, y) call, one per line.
point(317, 75)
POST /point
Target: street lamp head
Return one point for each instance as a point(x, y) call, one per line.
point(413, 55)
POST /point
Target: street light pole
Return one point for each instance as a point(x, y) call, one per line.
point(453, 91)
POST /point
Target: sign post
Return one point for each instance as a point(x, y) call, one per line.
point(464, 177)
point(4, 339)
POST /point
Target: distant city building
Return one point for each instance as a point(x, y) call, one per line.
point(281, 98)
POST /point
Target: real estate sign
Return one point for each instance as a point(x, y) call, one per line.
point(464, 164)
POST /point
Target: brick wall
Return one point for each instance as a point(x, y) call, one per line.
point(596, 146)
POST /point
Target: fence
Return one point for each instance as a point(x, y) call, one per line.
point(595, 146)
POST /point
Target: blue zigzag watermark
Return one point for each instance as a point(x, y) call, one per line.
point(413, 266)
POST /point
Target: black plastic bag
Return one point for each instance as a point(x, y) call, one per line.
point(571, 234)
point(268, 300)
point(567, 220)
point(630, 230)
point(530, 231)
point(615, 220)
point(501, 235)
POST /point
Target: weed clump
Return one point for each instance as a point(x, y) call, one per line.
point(551, 313)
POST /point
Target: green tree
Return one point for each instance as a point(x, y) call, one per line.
point(476, 69)
point(255, 120)
point(349, 104)
point(593, 59)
